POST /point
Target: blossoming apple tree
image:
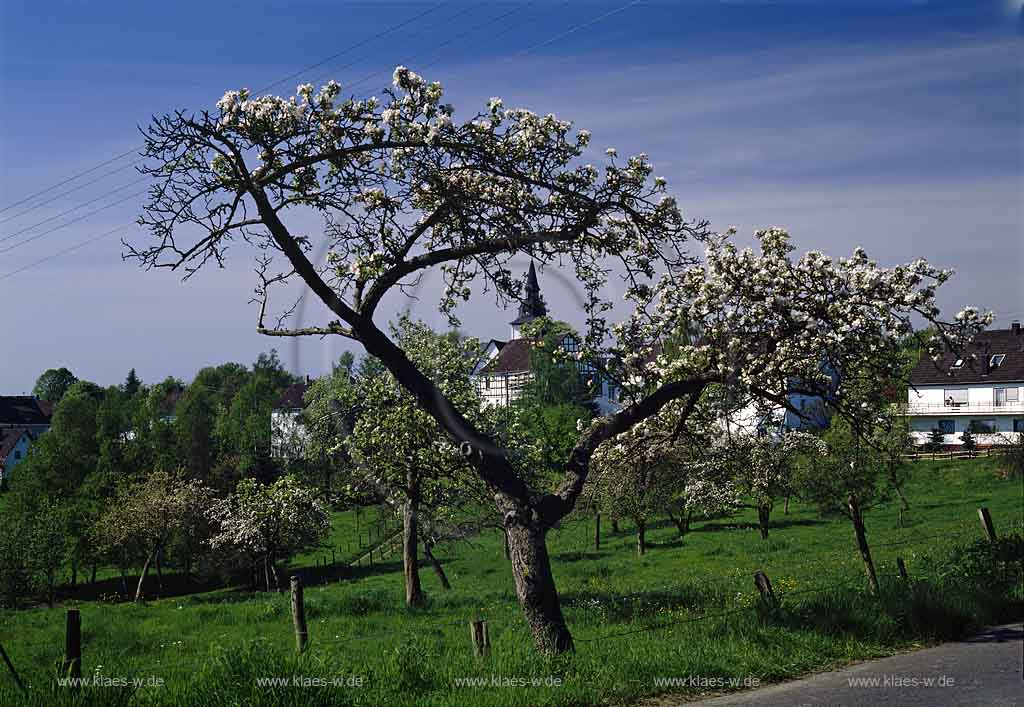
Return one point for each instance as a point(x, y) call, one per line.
point(403, 187)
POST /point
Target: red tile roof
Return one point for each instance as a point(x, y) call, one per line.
point(293, 397)
point(8, 439)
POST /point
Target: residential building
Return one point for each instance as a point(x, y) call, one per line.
point(981, 389)
point(25, 412)
point(14, 444)
point(504, 370)
point(287, 433)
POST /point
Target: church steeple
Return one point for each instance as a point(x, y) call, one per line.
point(532, 305)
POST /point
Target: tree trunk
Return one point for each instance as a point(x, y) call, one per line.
point(764, 513)
point(410, 562)
point(535, 586)
point(159, 573)
point(899, 492)
point(428, 550)
point(862, 542)
point(142, 577)
point(266, 573)
point(785, 509)
point(597, 532)
point(508, 551)
point(51, 578)
point(615, 524)
point(273, 572)
point(92, 574)
point(641, 537)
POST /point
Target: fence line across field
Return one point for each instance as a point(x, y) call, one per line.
point(72, 661)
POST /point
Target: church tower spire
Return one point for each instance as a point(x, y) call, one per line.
point(532, 306)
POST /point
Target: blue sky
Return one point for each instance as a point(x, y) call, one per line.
point(891, 125)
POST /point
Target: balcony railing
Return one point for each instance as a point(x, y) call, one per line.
point(1002, 408)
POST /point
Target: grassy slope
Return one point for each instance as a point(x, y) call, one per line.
point(210, 647)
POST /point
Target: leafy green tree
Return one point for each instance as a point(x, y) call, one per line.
point(268, 367)
point(53, 383)
point(847, 480)
point(399, 450)
point(242, 430)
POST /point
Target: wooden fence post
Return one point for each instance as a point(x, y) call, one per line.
point(299, 615)
point(986, 523)
point(764, 586)
point(902, 567)
point(10, 666)
point(481, 641)
point(73, 645)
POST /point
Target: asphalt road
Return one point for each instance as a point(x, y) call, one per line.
point(983, 671)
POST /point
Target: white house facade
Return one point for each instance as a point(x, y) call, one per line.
point(504, 368)
point(287, 433)
point(981, 390)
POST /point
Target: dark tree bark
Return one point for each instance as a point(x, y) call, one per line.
point(428, 551)
point(410, 541)
point(641, 536)
point(862, 542)
point(597, 531)
point(615, 525)
point(785, 509)
point(764, 514)
point(535, 585)
point(508, 550)
point(681, 521)
point(92, 573)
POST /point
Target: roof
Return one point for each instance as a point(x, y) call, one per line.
point(24, 410)
point(532, 305)
point(986, 345)
point(293, 397)
point(9, 438)
point(513, 357)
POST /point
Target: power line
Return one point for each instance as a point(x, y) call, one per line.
point(74, 221)
point(138, 161)
point(389, 30)
point(362, 80)
point(75, 247)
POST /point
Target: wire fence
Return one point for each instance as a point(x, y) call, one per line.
point(502, 614)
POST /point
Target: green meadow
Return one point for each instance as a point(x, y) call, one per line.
point(686, 610)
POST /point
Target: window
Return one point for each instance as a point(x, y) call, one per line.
point(959, 363)
point(955, 397)
point(17, 454)
point(947, 427)
point(996, 361)
point(1018, 425)
point(1004, 396)
point(984, 427)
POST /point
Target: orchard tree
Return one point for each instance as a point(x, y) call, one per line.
point(764, 466)
point(846, 480)
point(399, 450)
point(147, 513)
point(269, 523)
point(404, 188)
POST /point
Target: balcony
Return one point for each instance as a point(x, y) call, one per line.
point(941, 409)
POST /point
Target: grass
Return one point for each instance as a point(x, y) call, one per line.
point(685, 608)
